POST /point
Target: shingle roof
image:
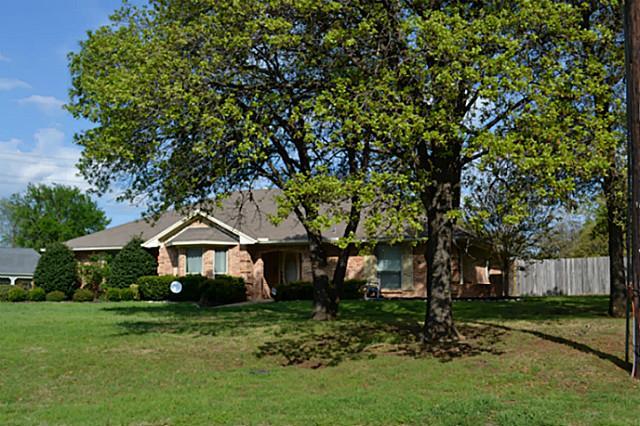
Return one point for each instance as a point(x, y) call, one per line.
point(118, 236)
point(247, 212)
point(18, 261)
point(203, 234)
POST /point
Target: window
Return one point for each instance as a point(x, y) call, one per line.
point(291, 267)
point(194, 261)
point(220, 262)
point(389, 266)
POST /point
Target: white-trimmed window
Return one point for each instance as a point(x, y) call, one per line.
point(219, 262)
point(389, 266)
point(194, 260)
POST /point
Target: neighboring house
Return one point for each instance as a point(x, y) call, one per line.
point(238, 239)
point(17, 265)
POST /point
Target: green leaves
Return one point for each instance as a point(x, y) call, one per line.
point(46, 214)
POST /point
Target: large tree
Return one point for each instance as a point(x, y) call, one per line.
point(193, 100)
point(599, 64)
point(476, 81)
point(47, 214)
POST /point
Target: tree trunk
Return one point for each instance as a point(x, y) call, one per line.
point(324, 297)
point(439, 201)
point(507, 264)
point(615, 218)
point(340, 273)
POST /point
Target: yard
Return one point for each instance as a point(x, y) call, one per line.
point(538, 361)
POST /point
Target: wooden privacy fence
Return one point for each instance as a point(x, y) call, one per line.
point(579, 276)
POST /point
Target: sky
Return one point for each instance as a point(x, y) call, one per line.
point(36, 134)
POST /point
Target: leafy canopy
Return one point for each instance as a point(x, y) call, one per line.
point(46, 214)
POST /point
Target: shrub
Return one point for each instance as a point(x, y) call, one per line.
point(83, 295)
point(17, 294)
point(353, 289)
point(126, 294)
point(4, 289)
point(303, 290)
point(95, 273)
point(113, 294)
point(222, 290)
point(135, 289)
point(57, 270)
point(192, 286)
point(131, 263)
point(155, 287)
point(37, 294)
point(295, 290)
point(55, 296)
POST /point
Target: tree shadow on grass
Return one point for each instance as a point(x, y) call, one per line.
point(618, 362)
point(356, 340)
point(364, 330)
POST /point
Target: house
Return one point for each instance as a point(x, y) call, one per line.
point(17, 265)
point(238, 239)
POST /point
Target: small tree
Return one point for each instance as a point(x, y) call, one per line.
point(131, 263)
point(95, 273)
point(506, 209)
point(57, 270)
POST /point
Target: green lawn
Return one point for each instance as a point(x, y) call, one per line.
point(539, 361)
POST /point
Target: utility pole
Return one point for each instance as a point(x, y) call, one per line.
point(632, 50)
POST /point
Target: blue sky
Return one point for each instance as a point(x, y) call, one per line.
point(36, 134)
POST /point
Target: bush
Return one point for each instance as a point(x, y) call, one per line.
point(223, 290)
point(295, 290)
point(113, 294)
point(37, 294)
point(135, 289)
point(55, 296)
point(83, 295)
point(126, 294)
point(17, 294)
point(57, 270)
point(155, 287)
point(131, 263)
point(303, 290)
point(4, 289)
point(192, 286)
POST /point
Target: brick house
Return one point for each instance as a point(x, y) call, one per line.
point(238, 239)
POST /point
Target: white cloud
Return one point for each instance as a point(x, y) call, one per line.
point(4, 58)
point(12, 83)
point(46, 104)
point(49, 161)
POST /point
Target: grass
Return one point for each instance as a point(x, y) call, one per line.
point(551, 361)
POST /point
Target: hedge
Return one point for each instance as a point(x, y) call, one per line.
point(155, 287)
point(57, 270)
point(83, 295)
point(112, 294)
point(131, 263)
point(221, 290)
point(17, 294)
point(303, 290)
point(37, 294)
point(55, 296)
point(4, 289)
